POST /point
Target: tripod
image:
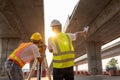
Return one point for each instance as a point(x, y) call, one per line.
point(38, 64)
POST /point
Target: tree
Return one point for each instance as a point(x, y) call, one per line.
point(112, 64)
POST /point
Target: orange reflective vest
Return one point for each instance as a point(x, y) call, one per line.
point(15, 56)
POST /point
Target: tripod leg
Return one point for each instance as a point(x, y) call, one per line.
point(48, 71)
point(32, 69)
point(39, 72)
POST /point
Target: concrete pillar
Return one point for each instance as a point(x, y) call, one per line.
point(6, 47)
point(94, 57)
point(76, 69)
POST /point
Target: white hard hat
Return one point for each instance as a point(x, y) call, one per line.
point(55, 22)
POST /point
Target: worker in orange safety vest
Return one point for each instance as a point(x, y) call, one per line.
point(25, 53)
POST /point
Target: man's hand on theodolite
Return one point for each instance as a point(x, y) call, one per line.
point(40, 59)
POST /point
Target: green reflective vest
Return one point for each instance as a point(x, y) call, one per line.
point(64, 56)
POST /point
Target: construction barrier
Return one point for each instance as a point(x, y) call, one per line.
point(43, 73)
point(110, 73)
point(35, 74)
point(87, 73)
point(25, 74)
point(114, 72)
point(82, 73)
point(106, 73)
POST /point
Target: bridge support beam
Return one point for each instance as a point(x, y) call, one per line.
point(94, 57)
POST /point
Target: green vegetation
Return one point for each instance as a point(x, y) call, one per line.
point(112, 64)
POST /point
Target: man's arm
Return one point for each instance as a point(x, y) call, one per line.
point(42, 49)
point(51, 50)
point(82, 33)
point(36, 53)
point(50, 46)
point(40, 59)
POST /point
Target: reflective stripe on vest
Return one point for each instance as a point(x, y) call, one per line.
point(15, 56)
point(64, 57)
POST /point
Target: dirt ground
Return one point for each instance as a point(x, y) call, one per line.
point(44, 78)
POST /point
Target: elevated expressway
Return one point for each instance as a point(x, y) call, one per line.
point(107, 52)
point(18, 20)
point(103, 18)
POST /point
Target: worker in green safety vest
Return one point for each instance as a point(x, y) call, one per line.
point(63, 51)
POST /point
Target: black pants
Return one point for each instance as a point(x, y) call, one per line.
point(63, 74)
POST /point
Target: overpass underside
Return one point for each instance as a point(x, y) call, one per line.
point(103, 18)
